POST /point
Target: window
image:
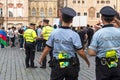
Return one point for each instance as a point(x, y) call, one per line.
point(1, 12)
point(42, 12)
point(98, 15)
point(79, 1)
point(19, 12)
point(102, 2)
point(107, 2)
point(85, 13)
point(74, 1)
point(78, 14)
point(10, 11)
point(91, 12)
point(33, 12)
point(83, 2)
point(98, 2)
point(10, 14)
point(50, 12)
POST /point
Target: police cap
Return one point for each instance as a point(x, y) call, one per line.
point(108, 11)
point(46, 20)
point(32, 24)
point(68, 11)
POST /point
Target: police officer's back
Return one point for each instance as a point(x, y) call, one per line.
point(64, 43)
point(30, 38)
point(46, 31)
point(105, 46)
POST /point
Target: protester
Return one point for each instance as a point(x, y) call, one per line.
point(39, 42)
point(3, 37)
point(8, 37)
point(90, 33)
point(12, 36)
point(83, 36)
point(21, 39)
point(105, 46)
point(64, 42)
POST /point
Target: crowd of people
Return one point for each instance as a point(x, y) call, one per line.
point(64, 45)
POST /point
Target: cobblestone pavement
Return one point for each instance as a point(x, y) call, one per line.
point(12, 67)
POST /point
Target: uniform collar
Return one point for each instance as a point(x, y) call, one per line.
point(108, 25)
point(65, 27)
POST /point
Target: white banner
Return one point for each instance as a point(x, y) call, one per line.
point(79, 21)
point(56, 21)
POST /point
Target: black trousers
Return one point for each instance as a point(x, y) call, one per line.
point(30, 54)
point(13, 41)
point(69, 73)
point(105, 73)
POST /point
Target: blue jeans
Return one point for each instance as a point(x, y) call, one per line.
point(39, 45)
point(21, 42)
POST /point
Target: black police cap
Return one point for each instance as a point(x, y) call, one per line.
point(108, 11)
point(46, 20)
point(32, 24)
point(68, 11)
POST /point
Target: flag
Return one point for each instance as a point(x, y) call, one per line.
point(3, 37)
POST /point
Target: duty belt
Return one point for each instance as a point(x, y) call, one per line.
point(103, 61)
point(73, 61)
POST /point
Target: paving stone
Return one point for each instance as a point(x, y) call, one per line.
point(12, 67)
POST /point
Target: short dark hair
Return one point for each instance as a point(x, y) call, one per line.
point(32, 24)
point(108, 19)
point(46, 21)
point(3, 28)
point(67, 18)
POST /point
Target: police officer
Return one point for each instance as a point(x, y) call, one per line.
point(65, 43)
point(46, 31)
point(30, 38)
point(105, 46)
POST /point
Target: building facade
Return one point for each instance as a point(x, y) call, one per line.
point(23, 12)
point(13, 13)
point(41, 9)
point(91, 8)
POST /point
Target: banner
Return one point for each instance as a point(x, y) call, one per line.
point(79, 21)
point(56, 21)
point(3, 37)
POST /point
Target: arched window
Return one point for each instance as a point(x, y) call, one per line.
point(78, 14)
point(91, 11)
point(50, 12)
point(33, 12)
point(19, 12)
point(1, 12)
point(98, 1)
point(42, 12)
point(10, 14)
point(10, 11)
point(74, 1)
point(102, 2)
point(83, 1)
point(108, 2)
